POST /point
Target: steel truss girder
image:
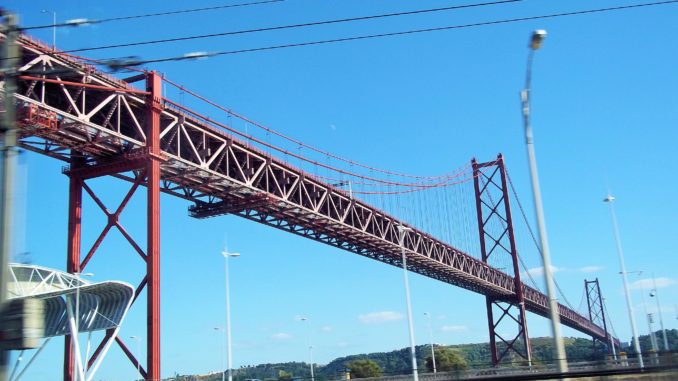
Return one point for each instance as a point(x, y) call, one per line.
point(211, 168)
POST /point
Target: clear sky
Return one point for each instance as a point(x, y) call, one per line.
point(605, 115)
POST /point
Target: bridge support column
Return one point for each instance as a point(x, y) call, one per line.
point(73, 250)
point(153, 102)
point(497, 241)
point(594, 300)
point(144, 164)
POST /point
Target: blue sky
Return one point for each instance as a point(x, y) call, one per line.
point(604, 115)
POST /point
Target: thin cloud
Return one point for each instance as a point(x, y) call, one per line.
point(281, 336)
point(591, 269)
point(647, 284)
point(326, 328)
point(539, 271)
point(380, 317)
point(454, 328)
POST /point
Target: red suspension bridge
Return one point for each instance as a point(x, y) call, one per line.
point(104, 126)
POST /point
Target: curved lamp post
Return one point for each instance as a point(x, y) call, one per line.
point(536, 41)
point(402, 230)
point(430, 335)
point(629, 304)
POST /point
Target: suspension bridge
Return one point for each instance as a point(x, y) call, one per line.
point(125, 128)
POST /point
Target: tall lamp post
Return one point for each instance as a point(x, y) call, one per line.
point(223, 352)
point(629, 304)
point(53, 26)
point(138, 340)
point(430, 335)
point(535, 43)
point(310, 346)
point(402, 230)
point(655, 294)
point(226, 255)
point(76, 332)
point(648, 317)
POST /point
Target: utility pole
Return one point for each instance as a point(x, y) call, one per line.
point(8, 153)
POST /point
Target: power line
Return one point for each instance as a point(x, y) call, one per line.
point(192, 10)
point(292, 26)
point(408, 32)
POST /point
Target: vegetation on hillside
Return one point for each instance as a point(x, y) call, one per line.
point(454, 357)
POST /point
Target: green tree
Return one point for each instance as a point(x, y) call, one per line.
point(283, 375)
point(447, 360)
point(364, 368)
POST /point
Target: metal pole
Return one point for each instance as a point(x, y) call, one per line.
point(659, 312)
point(629, 304)
point(430, 334)
point(76, 331)
point(415, 373)
point(554, 315)
point(223, 352)
point(648, 317)
point(310, 347)
point(138, 340)
point(310, 351)
point(228, 318)
point(10, 58)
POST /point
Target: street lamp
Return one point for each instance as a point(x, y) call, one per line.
point(310, 346)
point(430, 334)
point(75, 349)
point(629, 304)
point(402, 230)
point(226, 255)
point(53, 26)
point(648, 317)
point(536, 41)
point(223, 352)
point(655, 294)
point(138, 340)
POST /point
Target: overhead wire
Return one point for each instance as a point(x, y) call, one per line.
point(132, 17)
point(402, 33)
point(293, 26)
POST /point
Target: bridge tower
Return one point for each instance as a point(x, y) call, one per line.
point(144, 164)
point(594, 298)
point(495, 227)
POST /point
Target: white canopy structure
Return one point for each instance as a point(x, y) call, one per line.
point(71, 306)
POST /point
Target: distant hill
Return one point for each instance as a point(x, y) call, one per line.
point(398, 361)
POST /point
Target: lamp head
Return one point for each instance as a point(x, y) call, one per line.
point(227, 254)
point(653, 293)
point(537, 39)
point(609, 199)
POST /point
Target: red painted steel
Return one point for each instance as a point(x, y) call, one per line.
point(73, 252)
point(520, 343)
point(193, 158)
point(154, 108)
point(594, 300)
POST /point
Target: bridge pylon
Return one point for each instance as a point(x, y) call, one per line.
point(497, 244)
point(144, 164)
point(594, 299)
